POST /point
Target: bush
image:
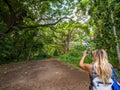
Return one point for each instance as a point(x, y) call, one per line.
point(74, 56)
point(41, 56)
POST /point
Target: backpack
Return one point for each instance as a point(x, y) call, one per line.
point(115, 78)
point(97, 83)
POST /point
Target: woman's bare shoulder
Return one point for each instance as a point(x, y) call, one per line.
point(88, 68)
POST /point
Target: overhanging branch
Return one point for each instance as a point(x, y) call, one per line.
point(45, 25)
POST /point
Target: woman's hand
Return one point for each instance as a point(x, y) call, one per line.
point(85, 53)
point(84, 66)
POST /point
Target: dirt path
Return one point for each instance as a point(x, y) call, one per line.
point(42, 75)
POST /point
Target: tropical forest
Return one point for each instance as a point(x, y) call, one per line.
point(32, 31)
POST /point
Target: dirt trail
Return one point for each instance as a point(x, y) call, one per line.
point(42, 75)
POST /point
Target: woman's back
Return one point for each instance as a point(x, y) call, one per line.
point(100, 72)
point(97, 83)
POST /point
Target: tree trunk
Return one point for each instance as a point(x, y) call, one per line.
point(116, 39)
point(67, 42)
point(29, 53)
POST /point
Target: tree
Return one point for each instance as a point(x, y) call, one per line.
point(102, 18)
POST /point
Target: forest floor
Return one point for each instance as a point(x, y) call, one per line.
point(49, 74)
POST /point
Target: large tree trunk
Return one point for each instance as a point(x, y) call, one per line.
point(67, 42)
point(116, 39)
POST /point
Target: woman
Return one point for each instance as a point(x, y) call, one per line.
point(100, 70)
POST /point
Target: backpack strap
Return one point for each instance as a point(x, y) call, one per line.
point(115, 76)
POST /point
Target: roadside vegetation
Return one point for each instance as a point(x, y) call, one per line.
point(38, 29)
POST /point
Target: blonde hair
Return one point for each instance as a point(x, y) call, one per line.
point(101, 65)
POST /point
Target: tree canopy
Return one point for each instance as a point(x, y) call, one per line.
point(31, 28)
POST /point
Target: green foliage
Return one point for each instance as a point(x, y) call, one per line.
point(74, 56)
point(23, 37)
point(101, 22)
point(41, 56)
point(18, 40)
point(20, 46)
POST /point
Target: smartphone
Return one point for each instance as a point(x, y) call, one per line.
point(89, 52)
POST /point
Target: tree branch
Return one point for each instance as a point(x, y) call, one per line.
point(12, 18)
point(44, 25)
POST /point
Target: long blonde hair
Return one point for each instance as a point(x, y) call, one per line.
point(101, 65)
